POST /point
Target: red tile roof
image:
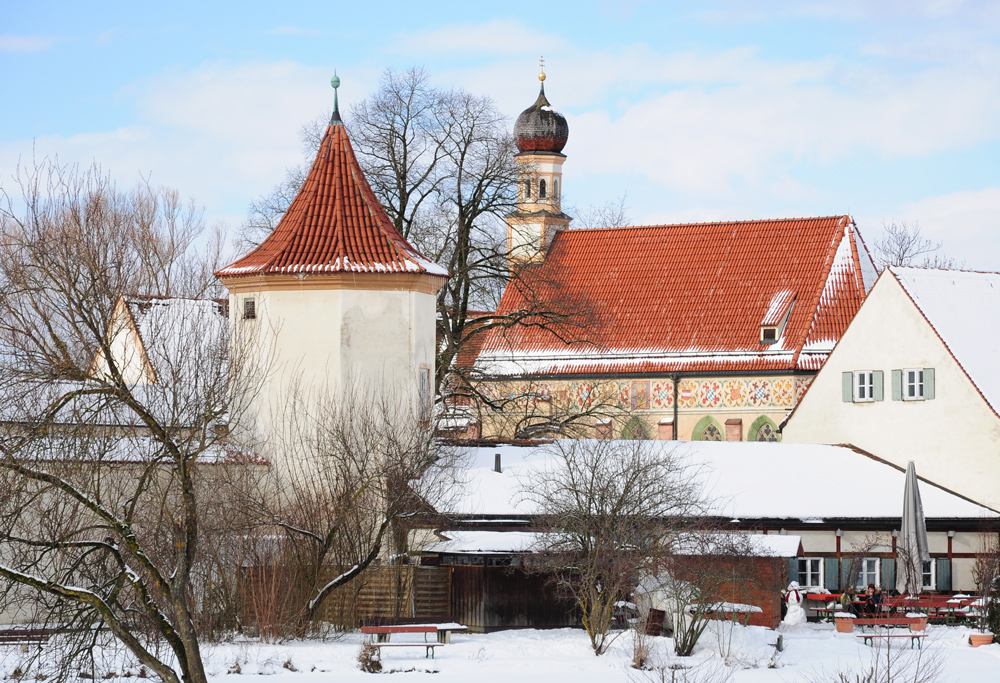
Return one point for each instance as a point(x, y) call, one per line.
point(334, 224)
point(691, 298)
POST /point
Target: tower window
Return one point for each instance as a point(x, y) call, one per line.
point(541, 189)
point(527, 188)
point(249, 309)
point(555, 189)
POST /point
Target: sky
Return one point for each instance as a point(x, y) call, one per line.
point(693, 111)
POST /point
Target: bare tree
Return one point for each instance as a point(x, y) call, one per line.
point(613, 214)
point(347, 479)
point(100, 522)
point(610, 510)
point(703, 575)
point(905, 245)
point(441, 162)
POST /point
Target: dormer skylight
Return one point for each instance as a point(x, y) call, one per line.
point(772, 326)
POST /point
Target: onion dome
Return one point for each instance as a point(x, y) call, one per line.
point(539, 128)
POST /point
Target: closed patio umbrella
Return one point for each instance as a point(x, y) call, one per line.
point(912, 551)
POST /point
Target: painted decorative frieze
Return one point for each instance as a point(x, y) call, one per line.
point(658, 394)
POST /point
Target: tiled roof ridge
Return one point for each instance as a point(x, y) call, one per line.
point(652, 226)
point(842, 233)
point(892, 271)
point(335, 223)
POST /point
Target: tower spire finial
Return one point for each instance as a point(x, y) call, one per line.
point(541, 69)
point(335, 82)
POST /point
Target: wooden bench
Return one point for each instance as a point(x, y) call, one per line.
point(26, 635)
point(914, 636)
point(380, 636)
point(888, 622)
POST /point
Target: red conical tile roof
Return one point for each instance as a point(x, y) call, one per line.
point(334, 224)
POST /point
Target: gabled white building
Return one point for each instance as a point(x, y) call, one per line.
point(916, 376)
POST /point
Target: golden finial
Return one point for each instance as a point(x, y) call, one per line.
point(541, 66)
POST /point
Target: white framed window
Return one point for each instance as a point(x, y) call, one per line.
point(913, 385)
point(864, 386)
point(249, 309)
point(811, 571)
point(867, 573)
point(928, 572)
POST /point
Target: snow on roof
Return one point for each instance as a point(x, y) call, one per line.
point(687, 297)
point(758, 545)
point(485, 542)
point(964, 309)
point(751, 480)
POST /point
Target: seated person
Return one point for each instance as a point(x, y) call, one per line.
point(847, 601)
point(873, 601)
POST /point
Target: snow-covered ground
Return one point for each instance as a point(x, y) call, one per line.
point(812, 652)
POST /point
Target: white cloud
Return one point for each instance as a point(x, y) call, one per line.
point(10, 42)
point(498, 36)
point(221, 133)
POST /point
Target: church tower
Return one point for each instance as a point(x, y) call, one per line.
point(335, 297)
point(540, 133)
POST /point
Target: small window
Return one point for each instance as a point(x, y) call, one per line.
point(541, 189)
point(527, 189)
point(766, 433)
point(249, 309)
point(864, 386)
point(425, 394)
point(867, 573)
point(811, 571)
point(929, 576)
point(768, 335)
point(555, 189)
point(914, 386)
point(711, 433)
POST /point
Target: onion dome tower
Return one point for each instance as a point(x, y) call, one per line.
point(335, 297)
point(540, 133)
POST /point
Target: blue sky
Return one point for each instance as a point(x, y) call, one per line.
point(696, 111)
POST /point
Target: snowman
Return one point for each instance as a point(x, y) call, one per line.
point(793, 599)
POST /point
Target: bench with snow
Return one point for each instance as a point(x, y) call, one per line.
point(913, 623)
point(380, 637)
point(914, 636)
point(444, 629)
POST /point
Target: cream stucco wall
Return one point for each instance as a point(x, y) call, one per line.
point(322, 341)
point(954, 438)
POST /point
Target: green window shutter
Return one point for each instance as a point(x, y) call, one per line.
point(943, 574)
point(845, 578)
point(793, 569)
point(830, 573)
point(848, 383)
point(877, 383)
point(888, 573)
point(928, 383)
point(897, 385)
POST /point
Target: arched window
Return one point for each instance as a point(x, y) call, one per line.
point(763, 429)
point(711, 433)
point(541, 189)
point(636, 429)
point(766, 433)
point(527, 189)
point(555, 189)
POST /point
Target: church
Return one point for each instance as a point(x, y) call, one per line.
point(703, 331)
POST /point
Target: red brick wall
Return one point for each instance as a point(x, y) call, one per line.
point(756, 581)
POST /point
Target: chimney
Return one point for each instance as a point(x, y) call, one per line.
point(496, 463)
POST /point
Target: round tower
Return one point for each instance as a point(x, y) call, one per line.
point(335, 297)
